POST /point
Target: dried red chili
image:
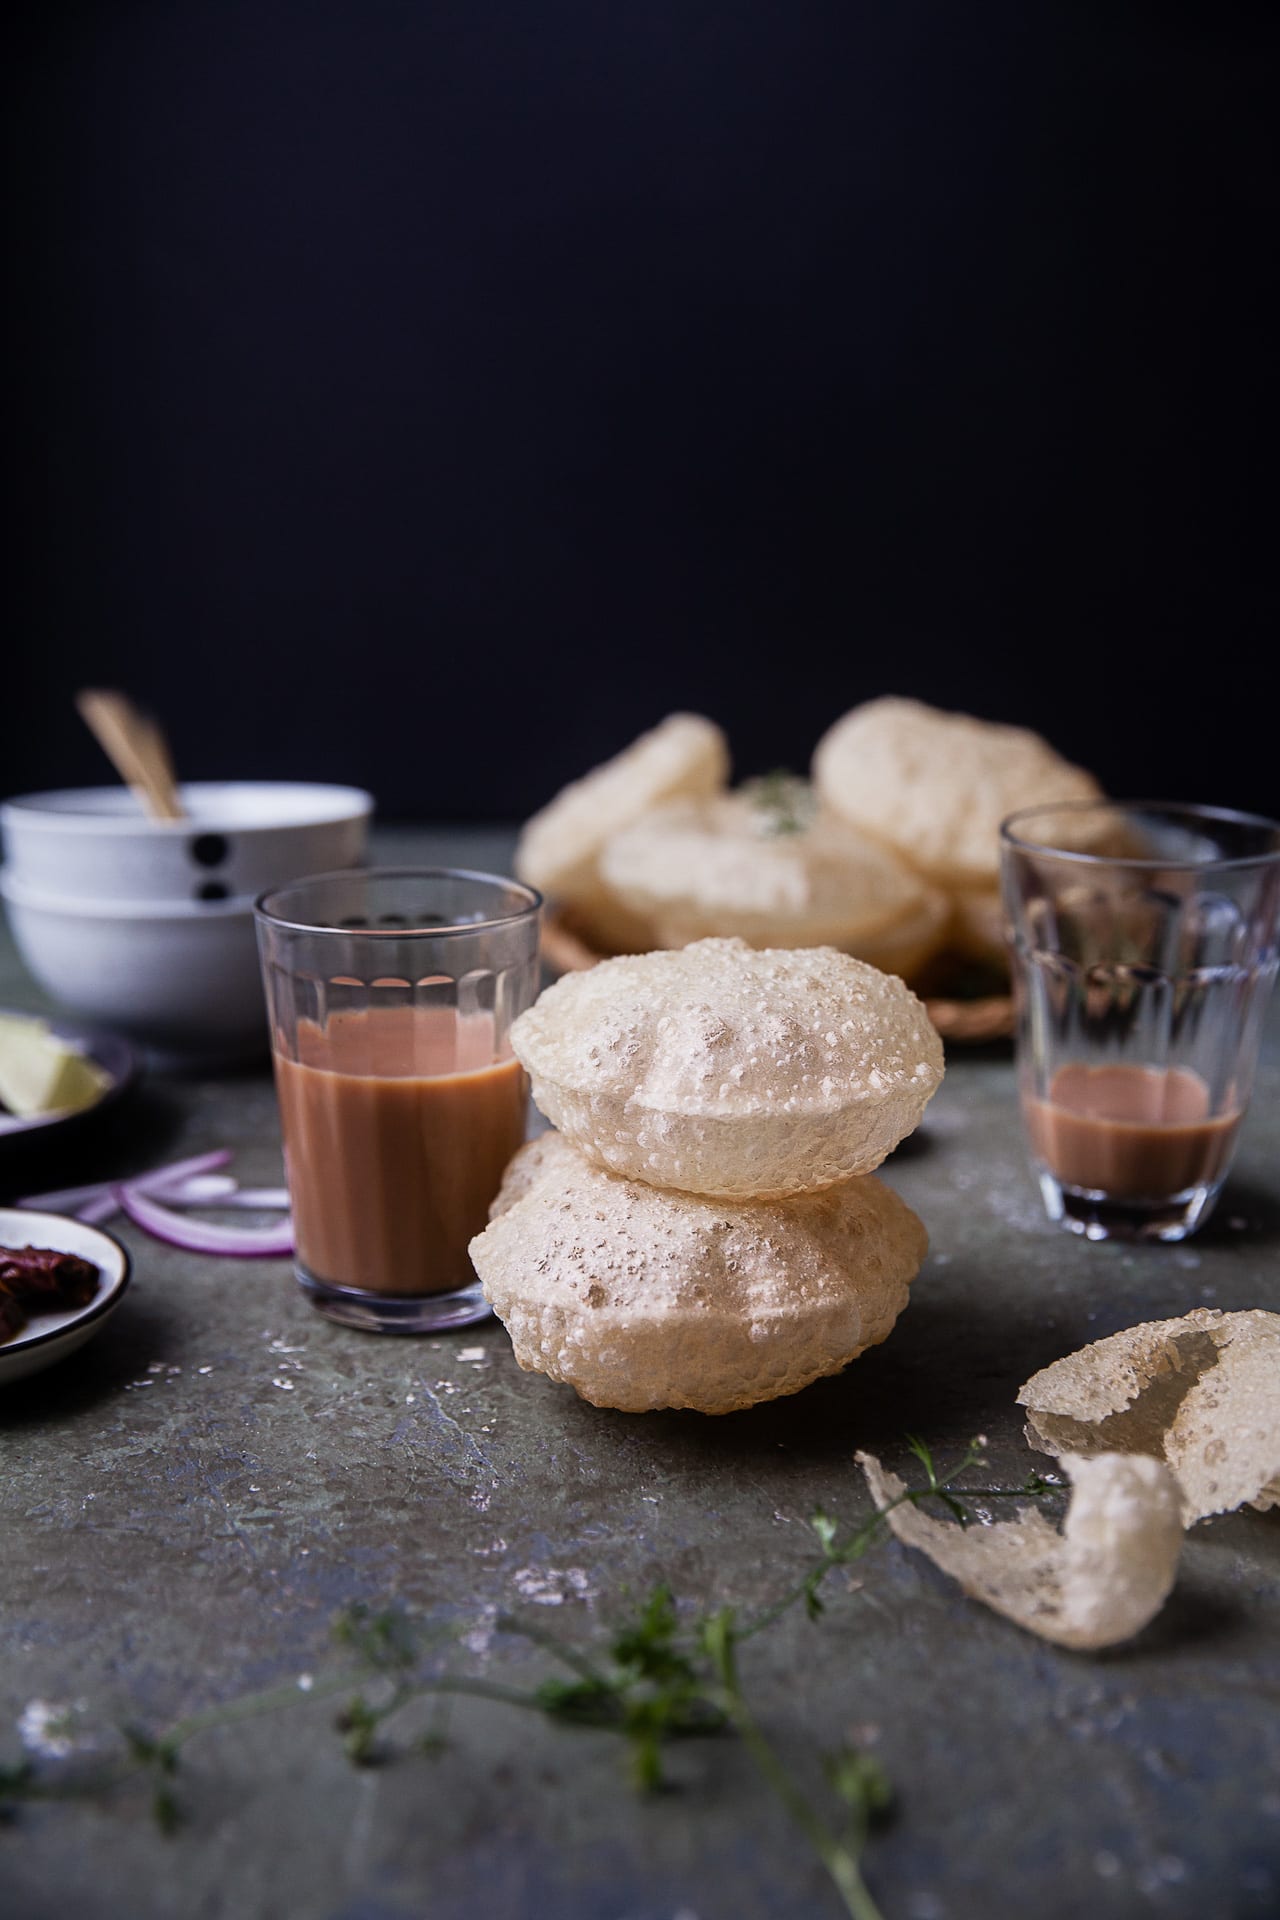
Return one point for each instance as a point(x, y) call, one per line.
point(13, 1316)
point(45, 1277)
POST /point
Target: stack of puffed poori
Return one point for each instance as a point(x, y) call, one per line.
point(889, 853)
point(705, 1230)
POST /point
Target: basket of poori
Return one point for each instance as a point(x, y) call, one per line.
point(889, 852)
point(705, 1230)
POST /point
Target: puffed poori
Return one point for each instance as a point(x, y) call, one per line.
point(721, 1069)
point(763, 864)
point(558, 850)
point(936, 785)
point(641, 1298)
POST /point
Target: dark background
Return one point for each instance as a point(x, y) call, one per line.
point(432, 395)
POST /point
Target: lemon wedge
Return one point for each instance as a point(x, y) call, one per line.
point(41, 1074)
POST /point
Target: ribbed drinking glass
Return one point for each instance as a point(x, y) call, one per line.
point(391, 995)
point(1144, 940)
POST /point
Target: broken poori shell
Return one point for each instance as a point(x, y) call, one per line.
point(1099, 1581)
point(725, 1070)
point(641, 1298)
point(1201, 1393)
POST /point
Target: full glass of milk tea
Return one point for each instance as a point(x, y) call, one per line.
point(1144, 945)
point(391, 994)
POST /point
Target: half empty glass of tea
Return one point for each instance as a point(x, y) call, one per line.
point(1144, 939)
point(391, 995)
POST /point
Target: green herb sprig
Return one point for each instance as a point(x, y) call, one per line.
point(657, 1680)
point(783, 800)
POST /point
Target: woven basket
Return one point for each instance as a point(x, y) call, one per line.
point(965, 1022)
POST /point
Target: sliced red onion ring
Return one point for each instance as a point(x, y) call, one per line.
point(201, 1190)
point(219, 1190)
point(101, 1194)
point(265, 1198)
point(94, 1212)
point(63, 1197)
point(197, 1236)
point(186, 1183)
point(163, 1180)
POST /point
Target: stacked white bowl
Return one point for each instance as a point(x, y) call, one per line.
point(146, 926)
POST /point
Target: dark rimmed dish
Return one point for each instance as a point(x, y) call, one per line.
point(50, 1337)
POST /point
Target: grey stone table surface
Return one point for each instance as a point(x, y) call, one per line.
point(188, 1504)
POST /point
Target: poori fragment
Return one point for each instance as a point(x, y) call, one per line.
point(685, 755)
point(641, 1298)
point(936, 785)
point(1099, 1581)
point(763, 864)
point(726, 1070)
point(1201, 1393)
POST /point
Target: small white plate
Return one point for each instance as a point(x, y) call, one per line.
point(52, 1336)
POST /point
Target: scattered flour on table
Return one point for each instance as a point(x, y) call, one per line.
point(1017, 1207)
point(46, 1728)
point(479, 1639)
point(552, 1586)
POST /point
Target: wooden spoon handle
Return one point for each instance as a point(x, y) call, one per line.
point(135, 747)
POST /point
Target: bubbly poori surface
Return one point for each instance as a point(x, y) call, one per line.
point(722, 1069)
point(640, 1297)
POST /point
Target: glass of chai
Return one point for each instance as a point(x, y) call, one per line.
point(1144, 943)
point(390, 996)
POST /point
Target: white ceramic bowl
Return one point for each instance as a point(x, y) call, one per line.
point(243, 836)
point(181, 979)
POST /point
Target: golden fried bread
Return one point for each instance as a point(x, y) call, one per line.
point(559, 847)
point(720, 1069)
point(936, 786)
point(643, 1298)
point(764, 865)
